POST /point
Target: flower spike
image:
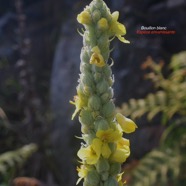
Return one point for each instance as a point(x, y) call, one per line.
point(104, 148)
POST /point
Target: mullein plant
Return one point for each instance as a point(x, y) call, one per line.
point(104, 148)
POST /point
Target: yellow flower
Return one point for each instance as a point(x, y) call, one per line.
point(96, 58)
point(126, 124)
point(105, 137)
point(121, 154)
point(123, 142)
point(109, 135)
point(82, 173)
point(117, 28)
point(91, 153)
point(105, 150)
point(122, 151)
point(103, 24)
point(102, 148)
point(78, 104)
point(80, 100)
point(84, 17)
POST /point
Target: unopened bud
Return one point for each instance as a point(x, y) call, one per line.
point(93, 178)
point(94, 102)
point(102, 165)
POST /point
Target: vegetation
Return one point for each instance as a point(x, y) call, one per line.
point(166, 164)
point(170, 98)
point(104, 149)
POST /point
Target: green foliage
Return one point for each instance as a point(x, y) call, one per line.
point(170, 98)
point(10, 160)
point(166, 164)
point(156, 168)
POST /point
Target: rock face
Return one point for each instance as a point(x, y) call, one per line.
point(63, 87)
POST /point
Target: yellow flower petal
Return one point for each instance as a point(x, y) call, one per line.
point(120, 155)
point(122, 39)
point(78, 102)
point(89, 155)
point(117, 29)
point(109, 135)
point(84, 17)
point(96, 146)
point(96, 58)
point(103, 24)
point(120, 29)
point(83, 153)
point(126, 124)
point(115, 16)
point(82, 173)
point(106, 152)
point(123, 142)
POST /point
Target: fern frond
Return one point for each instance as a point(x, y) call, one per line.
point(155, 168)
point(171, 99)
point(152, 104)
point(13, 158)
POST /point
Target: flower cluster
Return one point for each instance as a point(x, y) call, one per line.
point(105, 148)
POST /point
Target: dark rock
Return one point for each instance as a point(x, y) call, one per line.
point(7, 26)
point(63, 87)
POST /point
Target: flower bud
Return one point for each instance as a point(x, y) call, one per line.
point(104, 175)
point(87, 90)
point(105, 97)
point(110, 81)
point(102, 87)
point(103, 24)
point(84, 17)
point(86, 117)
point(85, 183)
point(107, 71)
point(108, 109)
point(115, 168)
point(84, 55)
point(102, 165)
point(97, 76)
point(111, 182)
point(101, 124)
point(84, 129)
point(94, 102)
point(126, 124)
point(111, 92)
point(93, 178)
point(103, 43)
point(84, 67)
point(87, 79)
point(79, 89)
point(88, 138)
point(95, 114)
point(96, 15)
point(86, 39)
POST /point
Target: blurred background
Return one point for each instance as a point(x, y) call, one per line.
point(39, 67)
